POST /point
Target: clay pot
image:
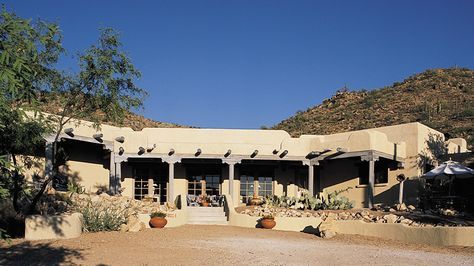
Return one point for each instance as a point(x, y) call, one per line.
point(158, 222)
point(268, 223)
point(205, 204)
point(256, 201)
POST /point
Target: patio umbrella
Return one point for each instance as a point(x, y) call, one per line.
point(450, 169)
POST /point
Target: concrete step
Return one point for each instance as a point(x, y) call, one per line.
point(217, 218)
point(211, 214)
point(209, 222)
point(206, 215)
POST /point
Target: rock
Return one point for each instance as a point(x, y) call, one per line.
point(390, 218)
point(406, 221)
point(123, 228)
point(327, 234)
point(401, 207)
point(391, 210)
point(411, 207)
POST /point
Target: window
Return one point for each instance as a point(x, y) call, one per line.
point(381, 173)
point(208, 175)
point(141, 183)
point(195, 185)
point(246, 187)
point(265, 186)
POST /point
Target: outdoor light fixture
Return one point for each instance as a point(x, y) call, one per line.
point(198, 152)
point(229, 151)
point(121, 150)
point(254, 153)
point(141, 150)
point(69, 131)
point(98, 137)
point(120, 139)
point(284, 153)
point(275, 151)
point(150, 148)
point(171, 152)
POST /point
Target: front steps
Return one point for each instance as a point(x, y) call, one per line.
point(207, 215)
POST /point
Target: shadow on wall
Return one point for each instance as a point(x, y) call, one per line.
point(436, 152)
point(28, 253)
point(390, 196)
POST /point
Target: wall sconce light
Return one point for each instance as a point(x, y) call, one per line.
point(198, 152)
point(121, 150)
point(141, 150)
point(254, 153)
point(229, 151)
point(284, 153)
point(120, 139)
point(69, 131)
point(171, 152)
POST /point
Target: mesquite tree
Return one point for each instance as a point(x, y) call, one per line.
point(102, 89)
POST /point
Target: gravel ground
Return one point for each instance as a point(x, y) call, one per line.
point(218, 245)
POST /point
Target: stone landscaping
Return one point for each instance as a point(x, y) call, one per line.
point(399, 214)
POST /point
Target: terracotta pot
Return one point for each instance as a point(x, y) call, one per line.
point(205, 204)
point(256, 201)
point(268, 223)
point(158, 222)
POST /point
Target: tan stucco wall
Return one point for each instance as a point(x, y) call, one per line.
point(39, 227)
point(442, 236)
point(91, 176)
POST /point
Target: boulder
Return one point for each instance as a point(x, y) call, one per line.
point(390, 218)
point(327, 234)
point(411, 207)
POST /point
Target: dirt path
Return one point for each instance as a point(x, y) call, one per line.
point(217, 245)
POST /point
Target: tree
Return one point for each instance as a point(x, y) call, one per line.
point(102, 89)
point(28, 50)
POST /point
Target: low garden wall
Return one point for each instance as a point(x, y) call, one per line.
point(440, 235)
point(179, 217)
point(39, 227)
point(300, 224)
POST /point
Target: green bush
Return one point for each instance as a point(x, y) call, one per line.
point(158, 214)
point(102, 216)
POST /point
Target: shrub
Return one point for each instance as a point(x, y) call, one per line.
point(337, 202)
point(158, 215)
point(101, 216)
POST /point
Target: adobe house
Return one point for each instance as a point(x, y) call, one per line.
point(161, 163)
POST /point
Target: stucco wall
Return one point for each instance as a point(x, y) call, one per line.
point(39, 227)
point(442, 236)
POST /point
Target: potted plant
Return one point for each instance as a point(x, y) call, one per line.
point(158, 219)
point(268, 221)
point(204, 200)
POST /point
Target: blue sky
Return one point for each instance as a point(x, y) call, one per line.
point(244, 64)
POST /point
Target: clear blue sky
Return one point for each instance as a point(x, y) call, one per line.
point(243, 64)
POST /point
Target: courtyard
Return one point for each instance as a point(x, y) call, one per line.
point(226, 245)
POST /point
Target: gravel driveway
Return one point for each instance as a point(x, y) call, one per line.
point(225, 245)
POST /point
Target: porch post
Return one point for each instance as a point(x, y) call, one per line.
point(231, 163)
point(371, 158)
point(112, 177)
point(311, 179)
point(118, 176)
point(171, 162)
point(310, 165)
point(170, 181)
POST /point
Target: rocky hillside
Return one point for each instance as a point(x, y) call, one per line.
point(137, 122)
point(440, 98)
